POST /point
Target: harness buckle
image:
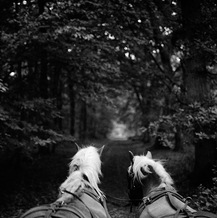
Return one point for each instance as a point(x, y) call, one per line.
point(146, 200)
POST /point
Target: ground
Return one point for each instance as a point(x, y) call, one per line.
point(36, 182)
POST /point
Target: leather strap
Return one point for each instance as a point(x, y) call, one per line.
point(101, 200)
point(72, 210)
point(105, 207)
point(52, 209)
point(171, 195)
point(165, 192)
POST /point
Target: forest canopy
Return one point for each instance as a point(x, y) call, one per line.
point(71, 68)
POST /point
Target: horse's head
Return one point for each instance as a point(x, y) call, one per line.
point(84, 170)
point(135, 191)
point(87, 161)
point(144, 175)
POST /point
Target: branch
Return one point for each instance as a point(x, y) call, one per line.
point(161, 69)
point(138, 97)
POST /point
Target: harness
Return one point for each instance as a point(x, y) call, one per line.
point(161, 203)
point(178, 203)
point(170, 194)
point(59, 209)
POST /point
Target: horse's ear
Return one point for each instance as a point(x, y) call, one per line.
point(149, 155)
point(77, 146)
point(100, 150)
point(149, 169)
point(131, 156)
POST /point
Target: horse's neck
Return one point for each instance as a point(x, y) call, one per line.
point(148, 189)
point(152, 183)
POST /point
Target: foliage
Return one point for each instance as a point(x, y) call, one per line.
point(204, 121)
point(196, 121)
point(27, 126)
point(164, 129)
point(206, 198)
point(91, 51)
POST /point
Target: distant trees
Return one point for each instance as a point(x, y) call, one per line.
point(53, 56)
point(65, 65)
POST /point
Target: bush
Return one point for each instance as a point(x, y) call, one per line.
point(28, 126)
point(206, 198)
point(197, 122)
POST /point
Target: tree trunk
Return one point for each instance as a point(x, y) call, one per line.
point(41, 5)
point(191, 16)
point(195, 80)
point(206, 157)
point(164, 64)
point(196, 86)
point(36, 79)
point(83, 121)
point(72, 104)
point(43, 76)
point(178, 139)
point(20, 82)
point(57, 91)
point(31, 80)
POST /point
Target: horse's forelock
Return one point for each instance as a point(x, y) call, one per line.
point(143, 166)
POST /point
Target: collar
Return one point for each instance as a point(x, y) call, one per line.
point(158, 193)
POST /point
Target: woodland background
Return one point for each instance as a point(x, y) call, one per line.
point(72, 71)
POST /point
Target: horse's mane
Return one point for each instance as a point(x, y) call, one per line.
point(145, 164)
point(88, 161)
point(84, 170)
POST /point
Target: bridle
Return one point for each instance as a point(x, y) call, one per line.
point(170, 194)
point(135, 192)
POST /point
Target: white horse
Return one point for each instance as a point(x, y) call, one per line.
point(80, 196)
point(149, 181)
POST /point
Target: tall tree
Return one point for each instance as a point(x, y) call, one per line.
point(197, 58)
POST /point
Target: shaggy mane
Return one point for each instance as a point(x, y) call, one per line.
point(157, 165)
point(87, 162)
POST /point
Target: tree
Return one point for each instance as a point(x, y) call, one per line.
point(197, 42)
point(80, 53)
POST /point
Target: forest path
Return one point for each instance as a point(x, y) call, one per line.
point(115, 161)
point(36, 182)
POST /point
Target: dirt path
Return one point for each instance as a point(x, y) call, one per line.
point(37, 183)
point(115, 161)
point(114, 182)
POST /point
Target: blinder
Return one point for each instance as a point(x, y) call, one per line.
point(135, 192)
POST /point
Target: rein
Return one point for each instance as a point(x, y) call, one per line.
point(96, 198)
point(126, 202)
